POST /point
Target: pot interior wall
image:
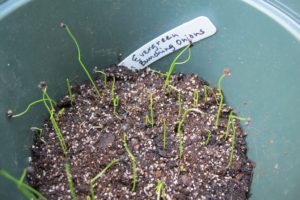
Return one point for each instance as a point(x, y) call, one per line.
point(263, 56)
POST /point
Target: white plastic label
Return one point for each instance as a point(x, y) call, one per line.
point(179, 37)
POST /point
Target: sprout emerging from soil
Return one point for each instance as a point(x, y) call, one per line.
point(11, 115)
point(165, 134)
point(174, 62)
point(99, 175)
point(208, 137)
point(150, 119)
point(160, 190)
point(225, 73)
point(133, 163)
point(179, 132)
point(196, 97)
point(29, 192)
point(103, 73)
point(70, 91)
point(230, 122)
point(114, 98)
point(116, 103)
point(70, 181)
point(79, 57)
point(157, 71)
point(57, 130)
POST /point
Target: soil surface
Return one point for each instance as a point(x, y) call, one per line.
point(94, 137)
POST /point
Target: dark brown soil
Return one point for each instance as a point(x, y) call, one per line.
point(94, 136)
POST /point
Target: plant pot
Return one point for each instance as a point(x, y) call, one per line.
point(261, 51)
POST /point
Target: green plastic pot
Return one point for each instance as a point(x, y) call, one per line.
point(260, 43)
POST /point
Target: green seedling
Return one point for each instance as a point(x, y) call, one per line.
point(60, 113)
point(104, 75)
point(36, 129)
point(160, 190)
point(165, 134)
point(179, 132)
point(57, 130)
point(206, 89)
point(174, 62)
point(11, 115)
point(196, 97)
point(116, 103)
point(29, 192)
point(159, 72)
point(99, 175)
point(133, 163)
point(70, 91)
point(79, 57)
point(113, 88)
point(226, 73)
point(70, 181)
point(230, 122)
point(208, 137)
point(150, 119)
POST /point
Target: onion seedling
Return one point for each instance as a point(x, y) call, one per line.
point(70, 91)
point(225, 73)
point(29, 192)
point(208, 137)
point(174, 62)
point(160, 190)
point(70, 181)
point(79, 57)
point(150, 119)
point(99, 175)
point(180, 126)
point(196, 97)
point(230, 122)
point(104, 75)
point(133, 163)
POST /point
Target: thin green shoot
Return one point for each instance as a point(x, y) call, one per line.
point(104, 75)
point(36, 129)
point(70, 181)
point(230, 122)
point(196, 97)
point(70, 91)
point(113, 88)
point(88, 198)
point(29, 192)
point(133, 163)
point(206, 89)
point(174, 62)
point(60, 113)
point(116, 103)
point(159, 72)
point(179, 102)
point(150, 119)
point(160, 190)
point(79, 58)
point(165, 134)
point(99, 175)
point(29, 106)
point(179, 132)
point(208, 137)
point(57, 130)
point(226, 73)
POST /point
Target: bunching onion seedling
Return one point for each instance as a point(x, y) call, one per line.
point(70, 91)
point(230, 122)
point(79, 57)
point(225, 73)
point(165, 134)
point(160, 190)
point(206, 89)
point(51, 111)
point(29, 192)
point(174, 62)
point(208, 137)
point(133, 163)
point(104, 75)
point(150, 119)
point(196, 97)
point(114, 98)
point(70, 181)
point(98, 176)
point(180, 126)
point(159, 72)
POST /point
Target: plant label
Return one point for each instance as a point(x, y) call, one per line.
point(177, 38)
